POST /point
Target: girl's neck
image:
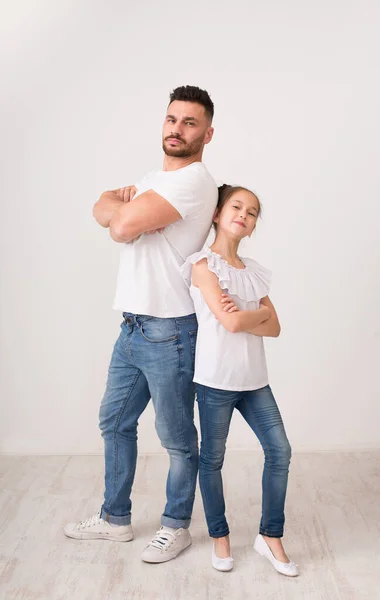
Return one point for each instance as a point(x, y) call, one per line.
point(227, 248)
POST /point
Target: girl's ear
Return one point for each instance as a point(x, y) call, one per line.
point(215, 218)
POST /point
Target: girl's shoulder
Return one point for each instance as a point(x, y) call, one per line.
point(250, 284)
point(187, 267)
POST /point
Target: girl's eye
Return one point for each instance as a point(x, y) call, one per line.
point(252, 214)
point(236, 207)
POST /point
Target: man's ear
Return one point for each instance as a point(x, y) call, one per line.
point(209, 134)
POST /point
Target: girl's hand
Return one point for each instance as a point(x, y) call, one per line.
point(229, 304)
point(265, 307)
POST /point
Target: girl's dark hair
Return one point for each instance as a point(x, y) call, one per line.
point(226, 191)
point(191, 93)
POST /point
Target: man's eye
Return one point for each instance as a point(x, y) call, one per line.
point(189, 123)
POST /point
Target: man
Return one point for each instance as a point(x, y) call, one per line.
point(160, 222)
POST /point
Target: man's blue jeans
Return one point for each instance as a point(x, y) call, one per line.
point(152, 358)
point(260, 410)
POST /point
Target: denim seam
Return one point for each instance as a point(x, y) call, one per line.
point(220, 534)
point(116, 458)
point(181, 366)
point(180, 370)
point(263, 527)
point(179, 341)
point(266, 491)
point(172, 338)
point(127, 344)
point(263, 531)
point(205, 488)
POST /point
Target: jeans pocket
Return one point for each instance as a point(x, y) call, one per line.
point(158, 331)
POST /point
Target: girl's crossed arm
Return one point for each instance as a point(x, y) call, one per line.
point(242, 320)
point(271, 327)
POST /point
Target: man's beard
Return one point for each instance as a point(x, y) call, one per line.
point(183, 150)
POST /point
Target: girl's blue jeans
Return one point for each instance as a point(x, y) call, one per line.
point(261, 412)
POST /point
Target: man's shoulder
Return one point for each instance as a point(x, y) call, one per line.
point(199, 169)
point(195, 172)
point(196, 169)
point(147, 176)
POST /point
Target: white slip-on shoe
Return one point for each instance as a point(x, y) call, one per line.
point(95, 528)
point(221, 564)
point(166, 544)
point(290, 569)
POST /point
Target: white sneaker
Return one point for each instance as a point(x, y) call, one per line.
point(221, 564)
point(166, 544)
point(290, 569)
point(95, 528)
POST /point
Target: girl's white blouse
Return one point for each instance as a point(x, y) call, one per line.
point(225, 360)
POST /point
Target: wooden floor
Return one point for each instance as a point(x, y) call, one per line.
point(332, 532)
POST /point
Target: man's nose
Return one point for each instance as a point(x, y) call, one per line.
point(176, 128)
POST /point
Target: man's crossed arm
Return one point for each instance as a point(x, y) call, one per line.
point(128, 220)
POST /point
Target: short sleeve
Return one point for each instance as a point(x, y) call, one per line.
point(184, 188)
point(249, 284)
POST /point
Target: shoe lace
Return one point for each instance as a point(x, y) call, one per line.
point(162, 540)
point(93, 520)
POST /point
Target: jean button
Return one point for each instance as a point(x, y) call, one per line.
point(128, 320)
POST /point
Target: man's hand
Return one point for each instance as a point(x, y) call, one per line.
point(148, 212)
point(155, 230)
point(110, 203)
point(126, 194)
point(229, 304)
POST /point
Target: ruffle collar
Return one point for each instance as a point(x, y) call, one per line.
point(249, 284)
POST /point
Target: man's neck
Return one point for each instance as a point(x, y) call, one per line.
point(172, 163)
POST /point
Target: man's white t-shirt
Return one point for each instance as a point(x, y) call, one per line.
point(149, 280)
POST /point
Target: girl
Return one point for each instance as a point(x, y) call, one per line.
point(234, 312)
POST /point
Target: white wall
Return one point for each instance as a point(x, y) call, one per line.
point(84, 92)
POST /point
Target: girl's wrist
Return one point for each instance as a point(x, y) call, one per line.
point(265, 312)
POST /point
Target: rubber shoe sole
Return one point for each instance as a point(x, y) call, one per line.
point(111, 536)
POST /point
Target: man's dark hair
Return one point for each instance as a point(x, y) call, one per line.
point(191, 93)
